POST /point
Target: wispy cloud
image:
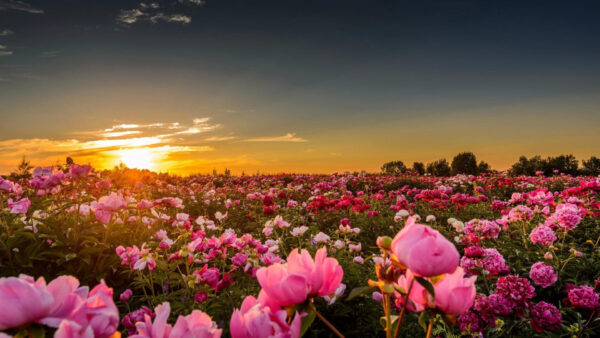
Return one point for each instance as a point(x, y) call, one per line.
point(220, 138)
point(121, 133)
point(6, 52)
point(6, 32)
point(289, 137)
point(154, 13)
point(21, 6)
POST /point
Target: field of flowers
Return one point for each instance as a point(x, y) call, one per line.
point(134, 253)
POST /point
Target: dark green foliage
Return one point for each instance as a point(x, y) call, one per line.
point(439, 168)
point(464, 163)
point(419, 167)
point(591, 166)
point(393, 168)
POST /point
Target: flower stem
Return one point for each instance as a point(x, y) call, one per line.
point(430, 326)
point(338, 333)
point(412, 281)
point(386, 309)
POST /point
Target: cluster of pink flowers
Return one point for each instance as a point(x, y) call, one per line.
point(196, 324)
point(62, 304)
point(490, 260)
point(301, 277)
point(482, 228)
point(425, 252)
point(520, 213)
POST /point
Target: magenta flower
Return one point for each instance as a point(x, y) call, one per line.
point(542, 274)
point(545, 316)
point(584, 297)
point(125, 295)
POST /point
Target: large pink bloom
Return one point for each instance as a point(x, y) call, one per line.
point(197, 324)
point(259, 318)
point(301, 277)
point(107, 206)
point(68, 297)
point(23, 300)
point(98, 312)
point(424, 250)
point(455, 294)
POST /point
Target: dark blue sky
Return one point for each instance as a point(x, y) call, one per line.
point(325, 70)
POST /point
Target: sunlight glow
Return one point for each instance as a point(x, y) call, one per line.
point(140, 158)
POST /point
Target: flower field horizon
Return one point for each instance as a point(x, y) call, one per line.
point(127, 252)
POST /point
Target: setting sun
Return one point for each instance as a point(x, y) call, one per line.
point(140, 158)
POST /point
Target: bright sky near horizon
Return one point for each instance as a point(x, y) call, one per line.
point(296, 86)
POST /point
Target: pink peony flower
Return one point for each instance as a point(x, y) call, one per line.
point(424, 250)
point(301, 277)
point(516, 290)
point(520, 213)
point(157, 328)
point(195, 325)
point(125, 295)
point(136, 316)
point(454, 294)
point(583, 296)
point(545, 316)
point(19, 207)
point(566, 215)
point(543, 235)
point(68, 297)
point(23, 300)
point(542, 274)
point(482, 228)
point(98, 312)
point(79, 171)
point(259, 318)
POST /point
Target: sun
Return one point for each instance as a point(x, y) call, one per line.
point(140, 158)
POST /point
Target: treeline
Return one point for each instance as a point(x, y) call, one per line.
point(466, 163)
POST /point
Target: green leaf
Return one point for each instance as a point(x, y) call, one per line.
point(361, 291)
point(307, 321)
point(423, 320)
point(70, 256)
point(426, 284)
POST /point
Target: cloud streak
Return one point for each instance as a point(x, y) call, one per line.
point(20, 6)
point(289, 137)
point(155, 13)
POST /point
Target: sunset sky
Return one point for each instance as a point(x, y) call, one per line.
point(296, 86)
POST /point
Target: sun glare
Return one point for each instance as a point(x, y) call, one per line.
point(140, 158)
